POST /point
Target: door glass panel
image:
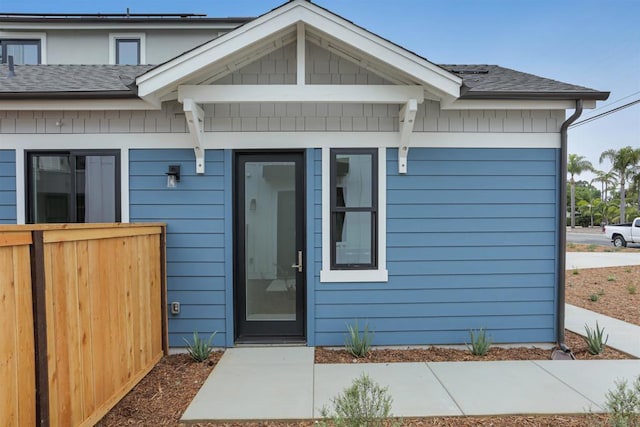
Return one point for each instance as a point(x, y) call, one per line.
point(52, 188)
point(270, 241)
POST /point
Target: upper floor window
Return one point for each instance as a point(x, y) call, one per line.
point(73, 186)
point(24, 51)
point(128, 51)
point(127, 48)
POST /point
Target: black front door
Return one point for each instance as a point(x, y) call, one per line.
point(269, 285)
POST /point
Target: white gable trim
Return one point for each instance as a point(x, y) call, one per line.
point(370, 94)
point(278, 23)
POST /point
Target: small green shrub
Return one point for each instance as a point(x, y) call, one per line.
point(627, 270)
point(571, 245)
point(591, 247)
point(356, 343)
point(595, 339)
point(594, 297)
point(576, 272)
point(480, 343)
point(632, 289)
point(601, 292)
point(199, 349)
point(611, 278)
point(363, 404)
point(624, 404)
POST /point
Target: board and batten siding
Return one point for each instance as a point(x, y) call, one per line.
point(471, 244)
point(195, 216)
point(7, 187)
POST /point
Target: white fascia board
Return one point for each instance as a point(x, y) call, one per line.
point(497, 104)
point(270, 140)
point(286, 16)
point(75, 104)
point(374, 94)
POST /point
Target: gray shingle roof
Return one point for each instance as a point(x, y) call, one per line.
point(494, 81)
point(116, 81)
point(70, 81)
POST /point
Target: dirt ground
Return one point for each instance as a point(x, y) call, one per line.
point(582, 247)
point(163, 395)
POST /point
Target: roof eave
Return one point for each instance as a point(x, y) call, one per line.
point(68, 95)
point(541, 96)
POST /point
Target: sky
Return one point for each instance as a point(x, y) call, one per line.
point(592, 43)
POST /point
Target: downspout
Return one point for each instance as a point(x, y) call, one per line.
point(562, 227)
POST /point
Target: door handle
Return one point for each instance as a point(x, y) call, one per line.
point(299, 264)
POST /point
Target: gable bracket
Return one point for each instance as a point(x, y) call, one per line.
point(195, 120)
point(407, 118)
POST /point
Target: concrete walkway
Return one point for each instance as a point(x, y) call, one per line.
point(283, 382)
point(601, 259)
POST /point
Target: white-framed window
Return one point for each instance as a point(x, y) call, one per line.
point(127, 48)
point(26, 48)
point(354, 215)
point(73, 186)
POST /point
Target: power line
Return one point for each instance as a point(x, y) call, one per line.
point(613, 102)
point(606, 113)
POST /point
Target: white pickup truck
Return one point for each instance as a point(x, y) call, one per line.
point(621, 234)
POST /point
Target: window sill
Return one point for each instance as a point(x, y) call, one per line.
point(329, 276)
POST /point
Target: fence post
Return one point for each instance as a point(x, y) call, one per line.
point(40, 329)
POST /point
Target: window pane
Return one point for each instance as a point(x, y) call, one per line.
point(51, 181)
point(23, 53)
point(97, 194)
point(127, 51)
point(353, 244)
point(354, 180)
point(67, 187)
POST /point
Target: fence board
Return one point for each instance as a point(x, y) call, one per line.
point(17, 399)
point(101, 289)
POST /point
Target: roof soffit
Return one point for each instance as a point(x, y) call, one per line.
point(275, 29)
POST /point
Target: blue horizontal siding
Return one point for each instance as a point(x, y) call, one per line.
point(468, 237)
point(195, 283)
point(439, 323)
point(466, 211)
point(435, 309)
point(444, 336)
point(196, 224)
point(8, 187)
point(471, 243)
point(415, 182)
point(411, 296)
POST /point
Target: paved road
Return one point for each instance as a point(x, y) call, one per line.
point(592, 239)
point(588, 238)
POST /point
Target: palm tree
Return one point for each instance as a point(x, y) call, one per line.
point(575, 166)
point(624, 162)
point(606, 180)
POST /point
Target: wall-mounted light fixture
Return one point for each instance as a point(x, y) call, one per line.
point(173, 176)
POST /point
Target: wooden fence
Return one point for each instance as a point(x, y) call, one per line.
point(96, 295)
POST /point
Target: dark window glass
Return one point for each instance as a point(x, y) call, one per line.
point(73, 187)
point(354, 206)
point(24, 52)
point(128, 51)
